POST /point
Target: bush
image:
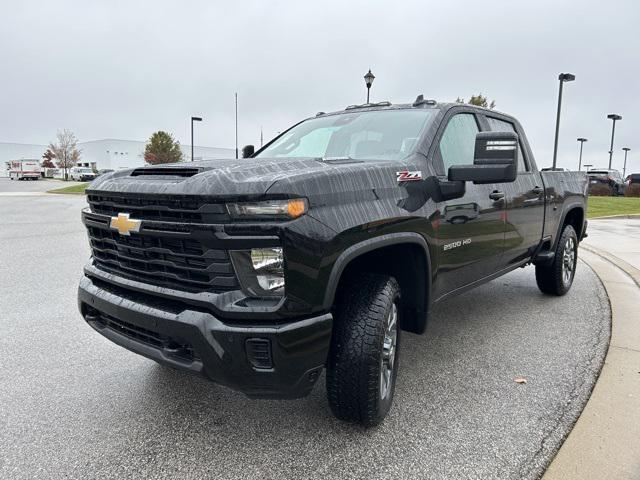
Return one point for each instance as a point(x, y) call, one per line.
point(632, 190)
point(600, 190)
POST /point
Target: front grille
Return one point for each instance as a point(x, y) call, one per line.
point(177, 263)
point(172, 347)
point(162, 208)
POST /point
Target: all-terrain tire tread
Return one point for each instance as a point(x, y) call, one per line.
point(549, 277)
point(353, 367)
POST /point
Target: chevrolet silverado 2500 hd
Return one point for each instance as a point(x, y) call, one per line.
point(320, 249)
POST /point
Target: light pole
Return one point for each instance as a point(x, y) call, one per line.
point(236, 125)
point(624, 169)
point(615, 117)
point(563, 77)
point(581, 140)
point(368, 80)
point(193, 119)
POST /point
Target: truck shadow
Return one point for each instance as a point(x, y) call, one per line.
point(454, 386)
point(455, 323)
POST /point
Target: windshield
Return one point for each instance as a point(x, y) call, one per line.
point(374, 135)
point(84, 170)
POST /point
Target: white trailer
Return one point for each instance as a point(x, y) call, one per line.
point(24, 170)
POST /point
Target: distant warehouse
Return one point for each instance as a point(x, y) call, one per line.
point(104, 154)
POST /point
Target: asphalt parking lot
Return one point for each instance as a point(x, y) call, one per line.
point(73, 405)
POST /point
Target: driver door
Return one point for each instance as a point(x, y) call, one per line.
point(471, 229)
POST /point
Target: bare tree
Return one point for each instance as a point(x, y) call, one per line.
point(66, 151)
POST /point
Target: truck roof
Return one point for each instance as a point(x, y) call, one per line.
point(419, 103)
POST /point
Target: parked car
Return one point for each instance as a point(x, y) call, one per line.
point(608, 177)
point(632, 179)
point(82, 174)
point(322, 247)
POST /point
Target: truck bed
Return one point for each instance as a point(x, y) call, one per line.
point(564, 191)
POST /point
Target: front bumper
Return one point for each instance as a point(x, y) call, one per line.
point(281, 360)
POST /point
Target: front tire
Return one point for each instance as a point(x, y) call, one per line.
point(363, 358)
point(557, 278)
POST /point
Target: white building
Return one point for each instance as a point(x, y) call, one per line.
point(109, 153)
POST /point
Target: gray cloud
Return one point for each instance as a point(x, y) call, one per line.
point(124, 69)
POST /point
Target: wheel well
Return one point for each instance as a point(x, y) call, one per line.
point(575, 218)
point(407, 262)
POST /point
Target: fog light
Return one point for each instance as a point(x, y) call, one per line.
point(260, 271)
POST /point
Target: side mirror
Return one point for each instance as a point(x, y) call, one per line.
point(495, 160)
point(247, 151)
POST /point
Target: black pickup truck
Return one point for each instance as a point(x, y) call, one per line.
point(319, 249)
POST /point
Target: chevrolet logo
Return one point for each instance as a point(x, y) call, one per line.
point(124, 224)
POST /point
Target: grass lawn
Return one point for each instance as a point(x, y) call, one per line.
point(604, 206)
point(75, 189)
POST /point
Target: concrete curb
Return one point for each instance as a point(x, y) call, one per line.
point(22, 194)
point(605, 441)
point(627, 268)
point(624, 215)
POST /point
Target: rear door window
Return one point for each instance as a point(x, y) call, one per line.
point(497, 125)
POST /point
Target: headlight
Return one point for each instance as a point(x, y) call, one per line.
point(260, 271)
point(285, 209)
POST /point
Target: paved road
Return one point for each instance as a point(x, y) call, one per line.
point(41, 185)
point(73, 405)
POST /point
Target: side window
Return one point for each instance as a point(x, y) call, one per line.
point(497, 125)
point(458, 140)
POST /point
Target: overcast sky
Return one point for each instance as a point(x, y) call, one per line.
point(123, 69)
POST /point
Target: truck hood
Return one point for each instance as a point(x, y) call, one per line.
point(251, 177)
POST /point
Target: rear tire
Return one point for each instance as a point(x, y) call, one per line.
point(557, 278)
point(362, 364)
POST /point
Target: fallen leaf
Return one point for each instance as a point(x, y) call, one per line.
point(520, 380)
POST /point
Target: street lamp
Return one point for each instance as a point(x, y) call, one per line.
point(615, 117)
point(563, 77)
point(193, 119)
point(236, 96)
point(368, 80)
point(581, 140)
point(624, 169)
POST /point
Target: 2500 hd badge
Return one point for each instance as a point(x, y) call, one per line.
point(457, 244)
point(310, 255)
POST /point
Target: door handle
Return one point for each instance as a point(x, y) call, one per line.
point(495, 195)
point(537, 190)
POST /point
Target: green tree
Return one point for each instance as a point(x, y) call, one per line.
point(162, 148)
point(478, 100)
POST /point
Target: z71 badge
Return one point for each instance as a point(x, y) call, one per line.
point(408, 175)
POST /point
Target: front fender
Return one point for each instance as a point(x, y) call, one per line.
point(366, 246)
